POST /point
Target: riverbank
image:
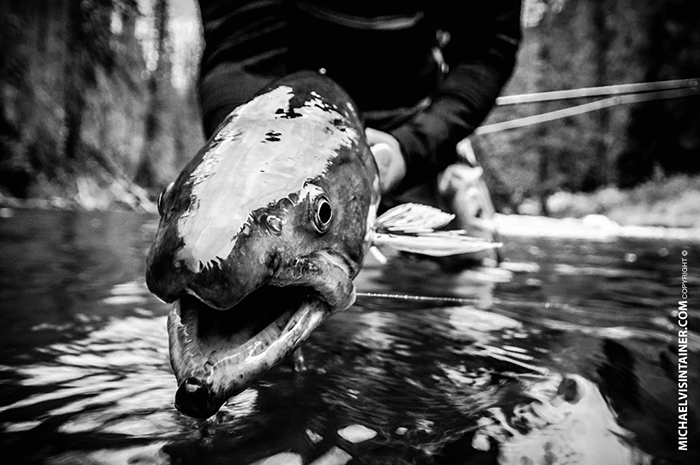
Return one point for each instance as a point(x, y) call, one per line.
point(591, 227)
point(87, 194)
point(672, 202)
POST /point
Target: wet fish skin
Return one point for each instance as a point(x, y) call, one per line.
point(309, 118)
point(284, 194)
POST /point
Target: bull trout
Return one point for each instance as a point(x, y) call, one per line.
point(262, 233)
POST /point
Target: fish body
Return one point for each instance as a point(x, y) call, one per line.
point(261, 235)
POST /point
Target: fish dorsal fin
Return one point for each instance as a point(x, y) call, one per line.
point(412, 228)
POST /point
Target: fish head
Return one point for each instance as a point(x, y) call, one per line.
point(260, 237)
point(224, 261)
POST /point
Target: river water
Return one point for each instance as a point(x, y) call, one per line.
point(567, 353)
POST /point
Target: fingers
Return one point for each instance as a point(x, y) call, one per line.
point(376, 137)
point(387, 154)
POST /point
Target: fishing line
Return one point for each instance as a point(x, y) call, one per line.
point(466, 301)
point(423, 298)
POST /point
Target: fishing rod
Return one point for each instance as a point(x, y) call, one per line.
point(601, 91)
point(617, 95)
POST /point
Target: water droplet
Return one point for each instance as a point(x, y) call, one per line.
point(356, 433)
point(314, 437)
point(283, 458)
point(274, 223)
point(334, 456)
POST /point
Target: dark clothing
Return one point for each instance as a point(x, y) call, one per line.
point(427, 72)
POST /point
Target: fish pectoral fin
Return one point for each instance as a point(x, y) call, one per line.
point(412, 218)
point(411, 227)
point(435, 243)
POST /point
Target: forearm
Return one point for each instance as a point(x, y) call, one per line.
point(464, 98)
point(244, 50)
point(428, 141)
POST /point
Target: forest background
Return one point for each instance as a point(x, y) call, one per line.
point(98, 107)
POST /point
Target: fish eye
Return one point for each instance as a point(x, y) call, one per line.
point(161, 199)
point(323, 214)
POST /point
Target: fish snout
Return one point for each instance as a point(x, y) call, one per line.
point(196, 399)
point(170, 282)
point(162, 279)
point(220, 285)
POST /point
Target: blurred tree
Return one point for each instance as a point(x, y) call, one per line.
point(545, 76)
point(14, 172)
point(664, 136)
point(599, 173)
point(92, 88)
point(52, 55)
point(570, 44)
point(89, 49)
point(158, 84)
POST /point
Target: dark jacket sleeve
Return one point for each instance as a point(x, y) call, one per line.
point(481, 55)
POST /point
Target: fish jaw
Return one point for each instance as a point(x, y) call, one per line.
point(217, 354)
point(330, 280)
point(207, 381)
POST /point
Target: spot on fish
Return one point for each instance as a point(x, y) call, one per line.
point(273, 136)
point(288, 113)
point(245, 231)
point(320, 103)
point(273, 223)
point(323, 106)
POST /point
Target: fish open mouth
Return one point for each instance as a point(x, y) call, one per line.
point(216, 354)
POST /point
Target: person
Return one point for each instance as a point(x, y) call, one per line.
point(423, 74)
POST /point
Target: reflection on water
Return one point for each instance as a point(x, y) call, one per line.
point(565, 354)
point(568, 421)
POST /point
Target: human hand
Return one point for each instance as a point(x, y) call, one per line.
point(390, 161)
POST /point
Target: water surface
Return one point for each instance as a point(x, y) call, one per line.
point(564, 354)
